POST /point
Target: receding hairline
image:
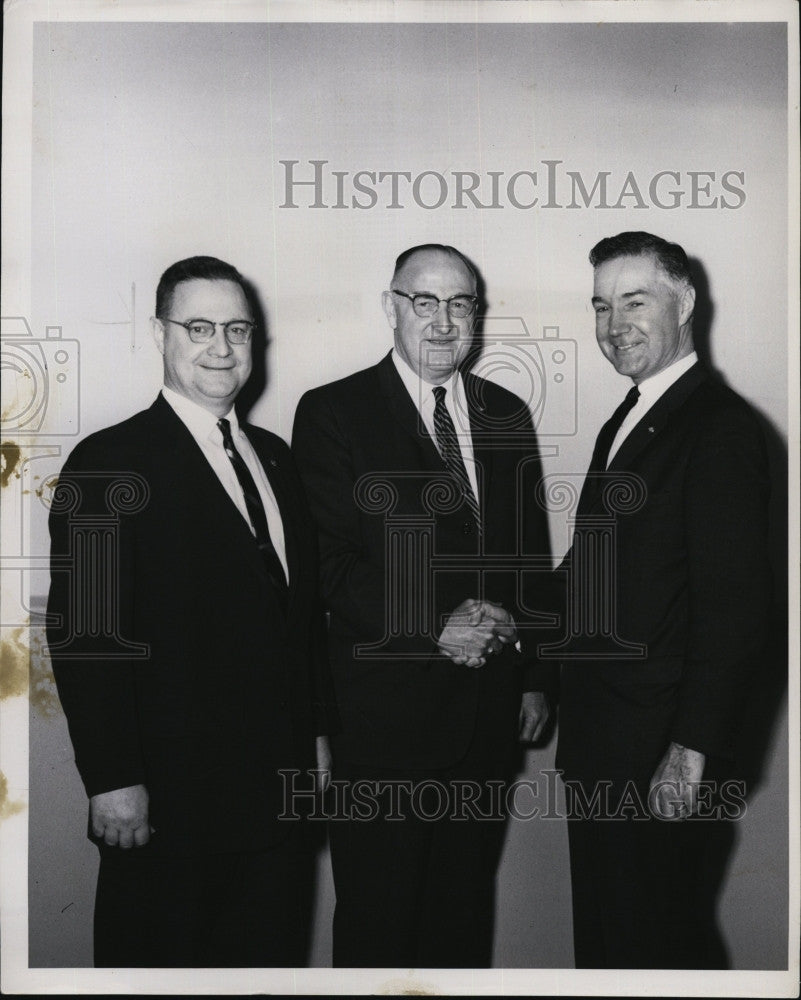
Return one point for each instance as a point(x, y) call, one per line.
point(409, 256)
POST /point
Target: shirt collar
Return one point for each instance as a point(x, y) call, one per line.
point(420, 390)
point(201, 423)
point(657, 385)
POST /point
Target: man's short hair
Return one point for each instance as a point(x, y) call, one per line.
point(669, 256)
point(190, 269)
point(433, 248)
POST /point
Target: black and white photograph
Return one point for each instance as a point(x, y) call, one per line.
point(399, 459)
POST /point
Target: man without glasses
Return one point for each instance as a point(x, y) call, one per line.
point(689, 583)
point(188, 652)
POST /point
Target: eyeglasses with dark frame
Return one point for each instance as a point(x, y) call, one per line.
point(201, 331)
point(425, 305)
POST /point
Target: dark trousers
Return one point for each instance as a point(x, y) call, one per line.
point(414, 872)
point(227, 910)
point(644, 892)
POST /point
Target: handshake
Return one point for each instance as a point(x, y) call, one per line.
point(475, 630)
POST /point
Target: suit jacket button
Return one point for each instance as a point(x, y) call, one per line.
point(467, 528)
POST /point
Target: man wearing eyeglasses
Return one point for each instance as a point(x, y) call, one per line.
point(422, 479)
point(189, 656)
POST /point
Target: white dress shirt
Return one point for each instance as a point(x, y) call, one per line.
point(202, 425)
point(650, 391)
point(422, 394)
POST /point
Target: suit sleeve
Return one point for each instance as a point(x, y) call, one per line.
point(352, 573)
point(729, 585)
point(325, 717)
point(96, 687)
point(538, 674)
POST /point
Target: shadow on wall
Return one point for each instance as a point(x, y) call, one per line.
point(259, 376)
point(768, 696)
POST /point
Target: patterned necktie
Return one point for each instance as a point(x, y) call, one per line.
point(256, 512)
point(609, 430)
point(451, 452)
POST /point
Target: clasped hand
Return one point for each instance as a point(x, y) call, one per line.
point(475, 630)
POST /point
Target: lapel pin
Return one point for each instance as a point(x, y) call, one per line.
point(273, 463)
point(650, 430)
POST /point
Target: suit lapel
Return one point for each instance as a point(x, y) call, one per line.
point(641, 437)
point(655, 420)
point(276, 476)
point(407, 416)
point(190, 470)
point(483, 450)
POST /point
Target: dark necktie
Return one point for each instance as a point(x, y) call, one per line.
point(606, 436)
point(594, 479)
point(449, 449)
point(255, 511)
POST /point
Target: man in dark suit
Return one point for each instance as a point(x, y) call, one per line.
point(188, 651)
point(422, 480)
point(657, 669)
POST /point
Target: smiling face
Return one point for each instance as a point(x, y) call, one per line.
point(210, 374)
point(432, 346)
point(642, 316)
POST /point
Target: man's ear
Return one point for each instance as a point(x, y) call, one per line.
point(390, 308)
point(157, 329)
point(686, 305)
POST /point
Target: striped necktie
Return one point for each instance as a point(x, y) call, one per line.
point(448, 444)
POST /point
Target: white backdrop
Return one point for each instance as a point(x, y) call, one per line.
point(156, 141)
